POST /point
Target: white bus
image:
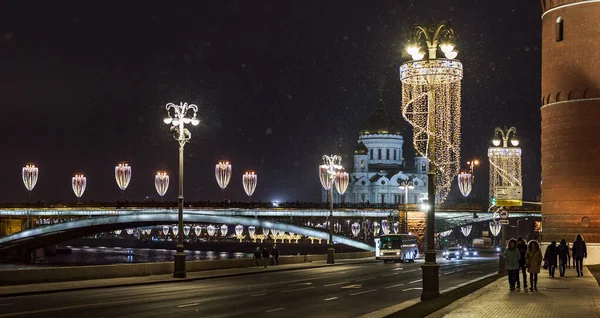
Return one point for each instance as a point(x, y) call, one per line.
point(396, 247)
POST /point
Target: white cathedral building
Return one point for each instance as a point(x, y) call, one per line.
point(379, 167)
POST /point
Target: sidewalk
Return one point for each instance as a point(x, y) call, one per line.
point(557, 297)
point(30, 289)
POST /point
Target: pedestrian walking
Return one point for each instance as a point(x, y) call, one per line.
point(563, 255)
point(512, 256)
point(275, 254)
point(533, 262)
point(257, 256)
point(570, 255)
point(579, 253)
point(265, 256)
point(550, 257)
point(522, 247)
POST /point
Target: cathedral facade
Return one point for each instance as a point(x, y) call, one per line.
point(379, 166)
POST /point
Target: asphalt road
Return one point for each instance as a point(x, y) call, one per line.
point(337, 291)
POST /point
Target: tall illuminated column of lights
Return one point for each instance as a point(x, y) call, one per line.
point(431, 91)
point(123, 176)
point(406, 185)
point(505, 171)
point(327, 174)
point(223, 175)
point(178, 117)
point(30, 174)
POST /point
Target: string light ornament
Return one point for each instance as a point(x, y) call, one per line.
point(78, 183)
point(211, 230)
point(223, 173)
point(266, 231)
point(445, 233)
point(198, 230)
point(376, 228)
point(505, 161)
point(30, 174)
point(224, 229)
point(431, 103)
point(123, 175)
point(465, 183)
point(161, 183)
point(466, 230)
point(249, 180)
point(495, 227)
point(355, 229)
point(342, 180)
point(165, 230)
point(385, 227)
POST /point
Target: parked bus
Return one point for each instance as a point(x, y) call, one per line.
point(396, 247)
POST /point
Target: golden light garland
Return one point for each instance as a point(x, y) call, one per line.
point(505, 161)
point(431, 104)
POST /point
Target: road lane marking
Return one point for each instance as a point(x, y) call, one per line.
point(368, 278)
point(363, 292)
point(475, 272)
point(330, 298)
point(6, 304)
point(352, 286)
point(397, 285)
point(276, 309)
point(392, 274)
point(297, 289)
point(450, 272)
point(300, 284)
point(398, 269)
point(188, 305)
point(415, 281)
point(256, 295)
point(334, 284)
point(460, 270)
point(413, 288)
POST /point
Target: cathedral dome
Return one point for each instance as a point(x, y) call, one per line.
point(380, 123)
point(361, 149)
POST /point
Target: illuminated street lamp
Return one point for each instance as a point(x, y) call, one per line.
point(341, 183)
point(431, 91)
point(178, 117)
point(161, 183)
point(30, 174)
point(472, 164)
point(223, 175)
point(78, 183)
point(406, 184)
point(328, 172)
point(123, 176)
point(249, 180)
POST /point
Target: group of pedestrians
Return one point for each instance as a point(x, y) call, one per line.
point(524, 257)
point(265, 255)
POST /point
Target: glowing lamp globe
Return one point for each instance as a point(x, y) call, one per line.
point(451, 55)
point(514, 142)
point(447, 47)
point(413, 49)
point(496, 142)
point(123, 175)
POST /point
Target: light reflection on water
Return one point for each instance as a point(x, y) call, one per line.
point(116, 255)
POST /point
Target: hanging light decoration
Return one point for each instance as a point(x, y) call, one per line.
point(466, 230)
point(505, 161)
point(224, 230)
point(341, 181)
point(355, 229)
point(223, 173)
point(266, 231)
point(385, 226)
point(186, 230)
point(337, 228)
point(211, 230)
point(495, 227)
point(376, 228)
point(445, 233)
point(465, 183)
point(175, 230)
point(324, 176)
point(30, 175)
point(123, 175)
point(161, 183)
point(239, 230)
point(118, 232)
point(249, 182)
point(198, 230)
point(396, 227)
point(431, 103)
point(165, 230)
point(129, 231)
point(79, 183)
point(251, 230)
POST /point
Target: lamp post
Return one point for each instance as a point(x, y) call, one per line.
point(431, 105)
point(327, 174)
point(406, 185)
point(178, 117)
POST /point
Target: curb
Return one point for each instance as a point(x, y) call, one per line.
point(174, 280)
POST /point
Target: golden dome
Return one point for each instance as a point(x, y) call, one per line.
point(380, 123)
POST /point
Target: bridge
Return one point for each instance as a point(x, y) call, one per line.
point(55, 225)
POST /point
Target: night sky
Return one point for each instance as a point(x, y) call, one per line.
point(83, 85)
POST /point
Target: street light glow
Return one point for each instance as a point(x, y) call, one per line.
point(123, 175)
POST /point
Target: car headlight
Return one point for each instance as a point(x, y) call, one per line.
point(475, 253)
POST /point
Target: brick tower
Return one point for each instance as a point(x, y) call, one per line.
point(571, 122)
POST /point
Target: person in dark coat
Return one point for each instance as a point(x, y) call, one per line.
point(563, 256)
point(275, 254)
point(522, 247)
point(257, 256)
point(579, 253)
point(265, 256)
point(550, 256)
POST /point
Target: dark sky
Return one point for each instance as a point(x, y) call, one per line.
point(83, 85)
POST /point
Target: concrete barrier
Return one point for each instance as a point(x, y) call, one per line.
point(73, 273)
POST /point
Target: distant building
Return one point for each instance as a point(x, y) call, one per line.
point(379, 166)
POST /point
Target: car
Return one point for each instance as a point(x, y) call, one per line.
point(454, 252)
point(471, 252)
